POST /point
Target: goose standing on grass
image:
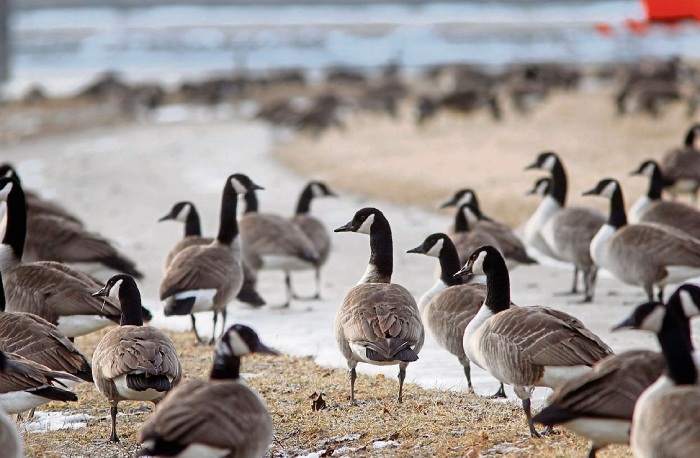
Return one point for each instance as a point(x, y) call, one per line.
point(666, 418)
point(378, 322)
point(25, 385)
point(645, 254)
point(133, 362)
point(271, 242)
point(681, 166)
point(51, 290)
point(525, 347)
point(510, 244)
point(448, 307)
point(186, 212)
point(206, 277)
point(313, 228)
point(11, 442)
point(561, 232)
point(649, 208)
point(218, 417)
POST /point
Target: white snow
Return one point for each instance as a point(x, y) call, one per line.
point(52, 421)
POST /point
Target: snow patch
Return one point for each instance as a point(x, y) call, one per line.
point(52, 421)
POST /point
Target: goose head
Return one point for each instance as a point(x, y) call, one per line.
point(320, 189)
point(483, 260)
point(648, 316)
point(431, 246)
point(242, 184)
point(179, 212)
point(647, 168)
point(541, 187)
point(113, 286)
point(463, 196)
point(605, 188)
point(363, 221)
point(686, 300)
point(240, 340)
point(7, 170)
point(6, 186)
point(547, 161)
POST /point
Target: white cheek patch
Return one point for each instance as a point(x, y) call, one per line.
point(549, 163)
point(478, 266)
point(609, 190)
point(654, 320)
point(4, 192)
point(649, 170)
point(366, 225)
point(470, 216)
point(690, 308)
point(316, 190)
point(542, 188)
point(238, 186)
point(114, 290)
point(466, 198)
point(183, 213)
point(238, 345)
point(436, 249)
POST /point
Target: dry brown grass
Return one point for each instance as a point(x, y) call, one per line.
point(427, 423)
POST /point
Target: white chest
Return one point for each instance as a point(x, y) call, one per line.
point(472, 337)
point(599, 245)
point(639, 207)
point(80, 325)
point(544, 212)
point(436, 289)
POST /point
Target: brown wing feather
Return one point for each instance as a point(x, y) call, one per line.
point(658, 243)
point(29, 374)
point(271, 234)
point(676, 214)
point(316, 232)
point(200, 267)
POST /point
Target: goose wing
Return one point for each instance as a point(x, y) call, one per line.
point(316, 232)
point(572, 230)
point(467, 242)
point(663, 244)
point(38, 206)
point(448, 314)
point(28, 375)
point(681, 163)
point(200, 267)
point(185, 242)
point(509, 243)
point(222, 414)
point(676, 214)
point(271, 234)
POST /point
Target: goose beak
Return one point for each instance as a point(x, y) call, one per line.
point(346, 228)
point(264, 349)
point(635, 172)
point(448, 203)
point(627, 323)
point(532, 166)
point(590, 192)
point(418, 249)
point(530, 192)
point(101, 293)
point(165, 218)
point(466, 270)
point(255, 187)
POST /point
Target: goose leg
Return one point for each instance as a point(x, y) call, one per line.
point(318, 283)
point(649, 289)
point(468, 374)
point(353, 376)
point(574, 286)
point(113, 412)
point(592, 451)
point(528, 416)
point(224, 313)
point(290, 294)
point(194, 328)
point(402, 377)
point(661, 293)
point(213, 328)
point(589, 275)
point(500, 394)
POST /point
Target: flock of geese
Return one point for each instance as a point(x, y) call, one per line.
point(643, 398)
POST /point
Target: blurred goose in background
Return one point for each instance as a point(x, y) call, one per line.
point(564, 233)
point(11, 442)
point(378, 322)
point(525, 347)
point(666, 418)
point(649, 208)
point(681, 166)
point(466, 238)
point(25, 385)
point(448, 307)
point(218, 417)
point(186, 212)
point(51, 290)
point(132, 362)
point(271, 242)
point(313, 228)
point(644, 254)
point(206, 277)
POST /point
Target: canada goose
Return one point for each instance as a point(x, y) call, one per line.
point(218, 417)
point(666, 418)
point(449, 305)
point(681, 166)
point(206, 277)
point(25, 384)
point(55, 292)
point(510, 244)
point(378, 322)
point(466, 239)
point(32, 337)
point(525, 347)
point(11, 442)
point(644, 254)
point(561, 232)
point(187, 213)
point(132, 362)
point(271, 242)
point(313, 228)
point(649, 208)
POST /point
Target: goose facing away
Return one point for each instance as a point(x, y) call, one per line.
point(449, 305)
point(681, 166)
point(645, 254)
point(51, 290)
point(271, 242)
point(186, 212)
point(649, 208)
point(133, 361)
point(206, 277)
point(378, 322)
point(218, 417)
point(666, 418)
point(525, 347)
point(562, 232)
point(11, 442)
point(314, 229)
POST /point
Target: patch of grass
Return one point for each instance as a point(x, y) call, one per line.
point(427, 423)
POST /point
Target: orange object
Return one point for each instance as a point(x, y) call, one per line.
point(671, 10)
point(604, 29)
point(637, 27)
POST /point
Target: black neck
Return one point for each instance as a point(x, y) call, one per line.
point(304, 203)
point(497, 286)
point(2, 296)
point(559, 184)
point(130, 300)
point(382, 248)
point(251, 202)
point(461, 223)
point(680, 366)
point(618, 217)
point(656, 184)
point(225, 367)
point(449, 263)
point(192, 226)
point(690, 139)
point(16, 230)
point(228, 224)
